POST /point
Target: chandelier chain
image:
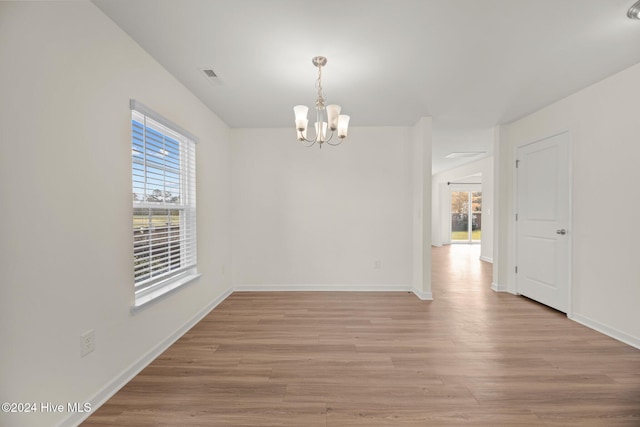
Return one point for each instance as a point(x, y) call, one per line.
point(320, 100)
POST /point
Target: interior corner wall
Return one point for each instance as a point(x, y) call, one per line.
point(421, 161)
point(602, 124)
point(67, 75)
point(502, 179)
point(322, 218)
point(441, 208)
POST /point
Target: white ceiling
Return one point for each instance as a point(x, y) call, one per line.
point(469, 64)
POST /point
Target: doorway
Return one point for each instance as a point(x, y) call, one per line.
point(466, 216)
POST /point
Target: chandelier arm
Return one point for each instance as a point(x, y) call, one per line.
point(312, 141)
point(330, 136)
point(308, 145)
point(334, 144)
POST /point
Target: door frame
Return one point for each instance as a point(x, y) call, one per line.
point(514, 207)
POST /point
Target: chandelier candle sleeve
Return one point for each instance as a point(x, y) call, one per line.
point(333, 112)
point(301, 116)
point(634, 11)
point(343, 126)
point(328, 118)
point(321, 132)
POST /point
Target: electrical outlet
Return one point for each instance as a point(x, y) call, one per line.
point(87, 343)
point(377, 264)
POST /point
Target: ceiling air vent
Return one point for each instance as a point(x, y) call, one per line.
point(209, 73)
point(211, 76)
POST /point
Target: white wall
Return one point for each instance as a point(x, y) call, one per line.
point(65, 237)
point(311, 218)
point(441, 209)
point(602, 121)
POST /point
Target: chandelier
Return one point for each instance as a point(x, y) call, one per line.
point(327, 118)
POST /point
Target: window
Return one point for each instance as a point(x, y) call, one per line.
point(164, 204)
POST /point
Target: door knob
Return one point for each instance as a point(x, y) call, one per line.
point(561, 231)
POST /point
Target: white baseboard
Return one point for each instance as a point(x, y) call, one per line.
point(498, 288)
point(425, 296)
point(486, 259)
point(607, 330)
point(322, 288)
point(127, 375)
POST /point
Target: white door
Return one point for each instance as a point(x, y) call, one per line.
point(543, 204)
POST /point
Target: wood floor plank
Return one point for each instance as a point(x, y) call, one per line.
point(471, 357)
point(345, 416)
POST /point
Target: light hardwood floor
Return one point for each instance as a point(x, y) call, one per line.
point(471, 357)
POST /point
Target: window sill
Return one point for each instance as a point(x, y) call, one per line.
point(146, 299)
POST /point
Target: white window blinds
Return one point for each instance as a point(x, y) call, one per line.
point(164, 203)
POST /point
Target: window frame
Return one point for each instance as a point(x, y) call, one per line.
point(167, 278)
